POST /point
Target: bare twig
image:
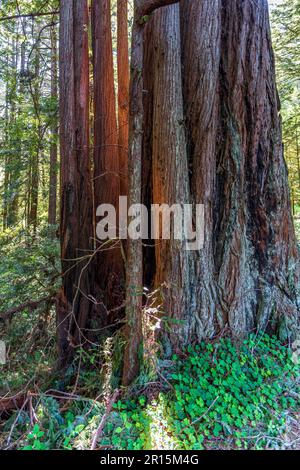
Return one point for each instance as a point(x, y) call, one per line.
point(30, 305)
point(28, 15)
point(100, 428)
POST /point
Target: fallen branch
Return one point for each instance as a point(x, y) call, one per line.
point(30, 305)
point(100, 428)
point(28, 15)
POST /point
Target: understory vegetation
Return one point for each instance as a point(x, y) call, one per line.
point(223, 394)
point(218, 396)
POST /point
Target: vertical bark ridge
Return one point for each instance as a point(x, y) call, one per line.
point(74, 306)
point(169, 165)
point(109, 265)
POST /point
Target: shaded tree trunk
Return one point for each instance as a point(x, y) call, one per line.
point(74, 305)
point(201, 36)
point(134, 266)
point(34, 162)
point(109, 264)
point(54, 134)
point(123, 93)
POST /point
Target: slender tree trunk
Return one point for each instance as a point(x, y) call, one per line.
point(74, 306)
point(106, 156)
point(35, 94)
point(54, 134)
point(123, 93)
point(298, 154)
point(170, 180)
point(13, 167)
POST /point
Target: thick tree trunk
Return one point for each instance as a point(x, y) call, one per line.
point(250, 273)
point(74, 306)
point(123, 93)
point(247, 275)
point(134, 266)
point(106, 156)
point(54, 133)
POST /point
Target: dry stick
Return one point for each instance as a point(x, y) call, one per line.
point(16, 420)
point(30, 304)
point(104, 418)
point(202, 416)
point(28, 15)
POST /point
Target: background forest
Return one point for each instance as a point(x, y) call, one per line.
point(204, 396)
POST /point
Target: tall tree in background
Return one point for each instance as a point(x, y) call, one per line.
point(123, 92)
point(286, 40)
point(54, 132)
point(76, 225)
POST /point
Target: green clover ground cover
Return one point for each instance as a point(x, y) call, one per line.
point(225, 395)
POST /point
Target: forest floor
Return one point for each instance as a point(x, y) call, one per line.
point(216, 395)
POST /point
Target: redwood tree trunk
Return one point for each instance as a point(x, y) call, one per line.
point(247, 275)
point(201, 35)
point(74, 306)
point(134, 266)
point(109, 264)
point(170, 182)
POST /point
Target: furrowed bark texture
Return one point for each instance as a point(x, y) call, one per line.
point(134, 266)
point(123, 93)
point(73, 305)
point(201, 36)
point(106, 155)
point(170, 182)
point(247, 275)
point(256, 255)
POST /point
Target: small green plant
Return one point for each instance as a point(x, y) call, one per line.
point(35, 439)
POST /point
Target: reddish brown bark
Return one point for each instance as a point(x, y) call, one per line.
point(170, 180)
point(134, 266)
point(74, 306)
point(123, 93)
point(106, 156)
point(247, 275)
point(201, 24)
point(256, 255)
